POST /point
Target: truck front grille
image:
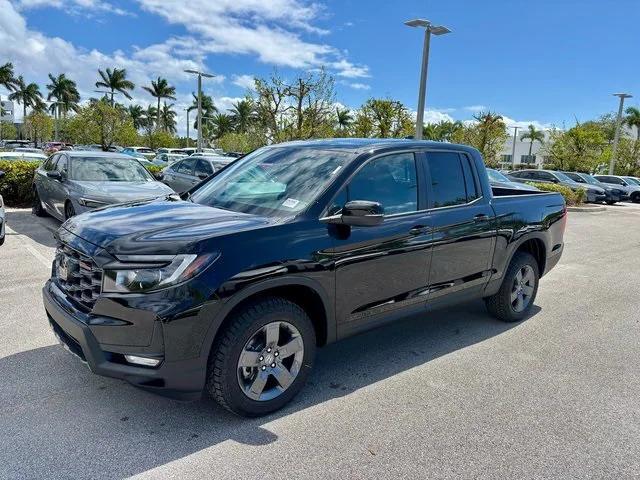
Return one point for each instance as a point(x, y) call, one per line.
point(78, 276)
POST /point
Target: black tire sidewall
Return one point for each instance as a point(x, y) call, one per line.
point(235, 398)
point(68, 205)
point(520, 260)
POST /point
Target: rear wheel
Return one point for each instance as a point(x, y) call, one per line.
point(263, 357)
point(611, 202)
point(69, 211)
point(36, 208)
point(518, 291)
point(635, 198)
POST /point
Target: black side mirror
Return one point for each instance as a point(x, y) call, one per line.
point(56, 175)
point(359, 213)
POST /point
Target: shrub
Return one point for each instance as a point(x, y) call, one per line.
point(154, 170)
point(571, 197)
point(16, 186)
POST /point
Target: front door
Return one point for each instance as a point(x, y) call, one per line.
point(382, 270)
point(463, 222)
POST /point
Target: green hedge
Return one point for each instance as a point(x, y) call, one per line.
point(571, 197)
point(15, 187)
point(154, 169)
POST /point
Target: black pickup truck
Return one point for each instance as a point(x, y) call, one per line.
point(229, 288)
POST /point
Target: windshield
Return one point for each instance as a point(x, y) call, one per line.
point(272, 181)
point(563, 177)
point(496, 176)
point(144, 150)
point(632, 181)
point(96, 169)
point(590, 179)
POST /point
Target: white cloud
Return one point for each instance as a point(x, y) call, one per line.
point(86, 7)
point(349, 70)
point(359, 86)
point(476, 108)
point(244, 81)
point(510, 122)
point(436, 116)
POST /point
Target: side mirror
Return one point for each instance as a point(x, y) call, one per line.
point(56, 175)
point(202, 176)
point(359, 213)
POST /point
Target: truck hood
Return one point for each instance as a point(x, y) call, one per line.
point(158, 226)
point(118, 192)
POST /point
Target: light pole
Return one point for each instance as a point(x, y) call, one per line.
point(429, 29)
point(200, 75)
point(616, 137)
point(513, 147)
point(188, 110)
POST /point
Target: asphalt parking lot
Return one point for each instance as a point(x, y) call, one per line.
point(448, 394)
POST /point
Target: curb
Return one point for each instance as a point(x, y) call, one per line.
point(600, 208)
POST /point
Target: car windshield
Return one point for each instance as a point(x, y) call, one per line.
point(632, 181)
point(97, 169)
point(590, 179)
point(496, 176)
point(273, 181)
point(144, 150)
point(561, 176)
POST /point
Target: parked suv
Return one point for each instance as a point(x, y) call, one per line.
point(614, 193)
point(184, 174)
point(231, 289)
point(631, 188)
point(592, 193)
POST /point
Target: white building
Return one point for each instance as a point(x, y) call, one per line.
point(522, 151)
point(6, 111)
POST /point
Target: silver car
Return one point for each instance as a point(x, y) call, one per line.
point(72, 182)
point(622, 182)
point(186, 173)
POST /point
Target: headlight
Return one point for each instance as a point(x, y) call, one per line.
point(140, 273)
point(87, 202)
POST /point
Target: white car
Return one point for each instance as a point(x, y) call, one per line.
point(2, 217)
point(23, 156)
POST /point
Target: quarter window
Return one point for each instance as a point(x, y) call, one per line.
point(203, 168)
point(186, 167)
point(448, 183)
point(50, 164)
point(390, 180)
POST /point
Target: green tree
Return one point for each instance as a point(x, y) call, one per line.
point(243, 114)
point(101, 123)
point(8, 130)
point(160, 89)
point(149, 117)
point(116, 81)
point(487, 134)
point(65, 92)
point(239, 142)
point(582, 148)
point(7, 77)
point(40, 126)
point(168, 118)
point(28, 95)
point(344, 120)
point(632, 119)
point(221, 124)
point(136, 113)
point(385, 117)
point(533, 135)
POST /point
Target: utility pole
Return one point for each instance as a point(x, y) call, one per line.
point(429, 29)
point(187, 127)
point(616, 137)
point(200, 75)
point(513, 147)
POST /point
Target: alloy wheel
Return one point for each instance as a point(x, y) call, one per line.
point(523, 288)
point(270, 361)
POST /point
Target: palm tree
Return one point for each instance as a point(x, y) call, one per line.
point(168, 118)
point(7, 78)
point(532, 135)
point(28, 95)
point(633, 119)
point(431, 131)
point(243, 114)
point(65, 91)
point(148, 117)
point(344, 118)
point(160, 89)
point(136, 112)
point(116, 81)
point(208, 107)
point(222, 123)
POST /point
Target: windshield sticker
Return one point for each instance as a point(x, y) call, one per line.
point(336, 170)
point(290, 203)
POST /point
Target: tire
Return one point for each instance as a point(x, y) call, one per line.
point(501, 305)
point(37, 209)
point(611, 202)
point(635, 198)
point(69, 211)
point(231, 384)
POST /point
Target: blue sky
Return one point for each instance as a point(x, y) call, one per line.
point(545, 61)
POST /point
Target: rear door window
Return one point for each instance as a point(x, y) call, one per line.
point(186, 167)
point(203, 168)
point(448, 184)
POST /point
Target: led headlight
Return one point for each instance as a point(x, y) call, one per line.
point(87, 202)
point(140, 273)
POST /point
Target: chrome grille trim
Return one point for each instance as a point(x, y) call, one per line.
point(84, 278)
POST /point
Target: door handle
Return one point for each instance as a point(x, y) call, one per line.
point(481, 217)
point(417, 230)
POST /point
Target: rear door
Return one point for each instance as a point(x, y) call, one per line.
point(43, 182)
point(58, 188)
point(463, 222)
point(202, 170)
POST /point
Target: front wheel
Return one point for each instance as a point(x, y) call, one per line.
point(518, 291)
point(69, 211)
point(611, 202)
point(262, 358)
point(37, 209)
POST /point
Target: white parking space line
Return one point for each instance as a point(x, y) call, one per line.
point(46, 262)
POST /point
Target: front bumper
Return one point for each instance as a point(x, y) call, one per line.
point(595, 197)
point(183, 379)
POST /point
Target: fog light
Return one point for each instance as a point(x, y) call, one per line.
point(146, 361)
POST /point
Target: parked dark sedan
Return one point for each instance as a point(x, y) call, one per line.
point(500, 180)
point(184, 174)
point(614, 194)
point(593, 193)
point(73, 182)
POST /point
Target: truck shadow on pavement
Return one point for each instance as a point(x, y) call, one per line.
point(38, 229)
point(58, 419)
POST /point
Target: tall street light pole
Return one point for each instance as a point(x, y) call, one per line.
point(513, 147)
point(429, 29)
point(616, 137)
point(188, 110)
point(200, 75)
